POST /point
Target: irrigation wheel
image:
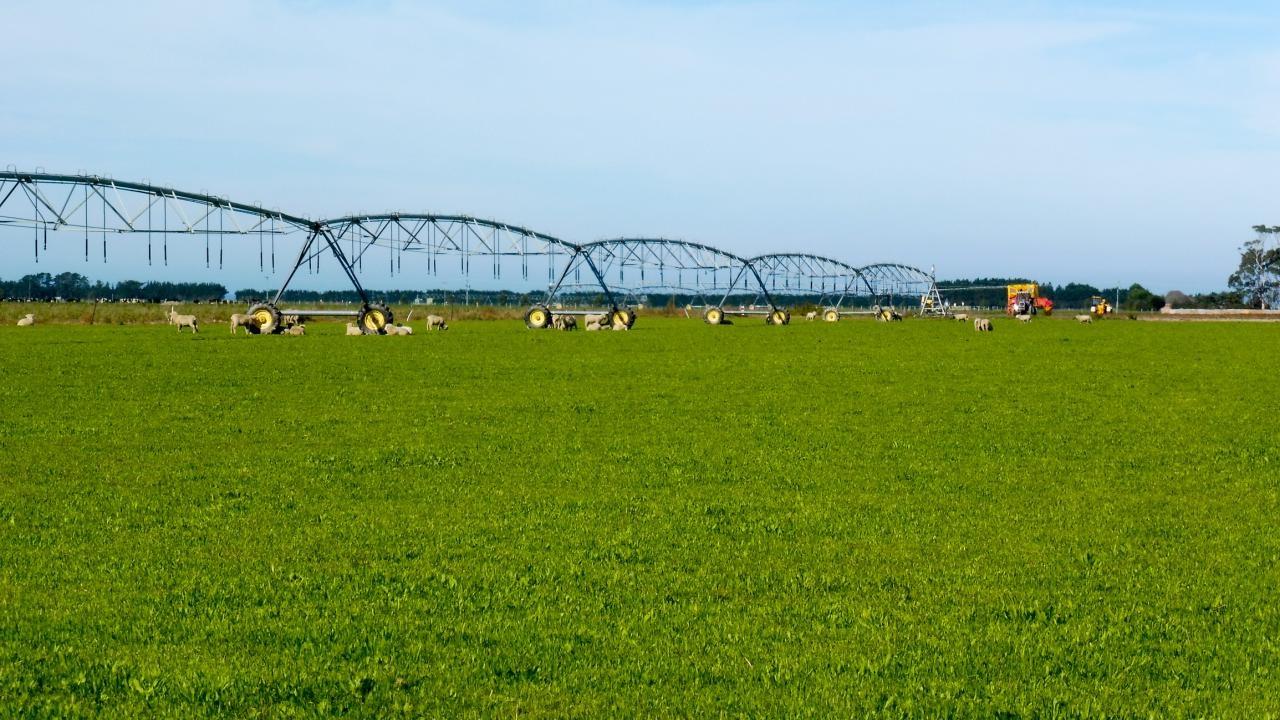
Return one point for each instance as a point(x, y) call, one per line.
point(626, 316)
point(373, 319)
point(831, 315)
point(778, 317)
point(713, 316)
point(537, 317)
point(265, 318)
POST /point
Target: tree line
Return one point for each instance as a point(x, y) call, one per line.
point(72, 286)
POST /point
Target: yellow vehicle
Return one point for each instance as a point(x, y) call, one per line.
point(1024, 299)
point(1098, 306)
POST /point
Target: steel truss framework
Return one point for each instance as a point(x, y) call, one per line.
point(634, 267)
point(619, 269)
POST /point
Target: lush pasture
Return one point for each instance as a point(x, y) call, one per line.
point(819, 520)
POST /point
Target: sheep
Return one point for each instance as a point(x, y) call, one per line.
point(353, 329)
point(811, 315)
point(27, 320)
point(397, 329)
point(1023, 318)
point(1084, 319)
point(593, 325)
point(239, 320)
point(297, 330)
point(961, 317)
point(565, 322)
point(184, 321)
point(597, 318)
point(435, 322)
point(982, 325)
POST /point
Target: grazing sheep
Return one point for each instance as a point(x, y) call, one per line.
point(1084, 319)
point(435, 322)
point(27, 320)
point(565, 322)
point(982, 325)
point(239, 320)
point(961, 317)
point(811, 315)
point(296, 330)
point(184, 321)
point(353, 329)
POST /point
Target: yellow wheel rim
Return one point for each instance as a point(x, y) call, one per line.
point(538, 317)
point(374, 320)
point(831, 316)
point(714, 316)
point(262, 317)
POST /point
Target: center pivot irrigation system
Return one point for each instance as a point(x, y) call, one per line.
point(619, 273)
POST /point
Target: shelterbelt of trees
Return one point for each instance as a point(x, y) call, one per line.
point(981, 292)
point(72, 286)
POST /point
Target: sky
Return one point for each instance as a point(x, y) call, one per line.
point(1100, 142)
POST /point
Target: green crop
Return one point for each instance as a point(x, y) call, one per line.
point(906, 520)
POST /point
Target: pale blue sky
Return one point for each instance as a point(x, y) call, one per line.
point(1091, 141)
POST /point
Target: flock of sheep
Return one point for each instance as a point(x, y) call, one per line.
point(984, 324)
point(594, 322)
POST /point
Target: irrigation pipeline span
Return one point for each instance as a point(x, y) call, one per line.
point(619, 270)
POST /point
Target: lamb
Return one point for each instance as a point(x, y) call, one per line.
point(597, 318)
point(811, 315)
point(961, 317)
point(1084, 319)
point(353, 329)
point(184, 321)
point(397, 329)
point(1023, 318)
point(435, 322)
point(296, 330)
point(565, 322)
point(593, 325)
point(982, 325)
point(27, 320)
point(239, 320)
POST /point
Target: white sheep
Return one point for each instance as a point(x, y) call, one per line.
point(435, 322)
point(184, 321)
point(297, 330)
point(593, 326)
point(27, 320)
point(961, 317)
point(982, 325)
point(811, 315)
point(239, 320)
point(597, 318)
point(397, 329)
point(1023, 318)
point(353, 329)
point(1084, 319)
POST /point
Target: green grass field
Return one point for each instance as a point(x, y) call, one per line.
point(910, 520)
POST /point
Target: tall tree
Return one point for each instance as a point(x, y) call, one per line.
point(1258, 277)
